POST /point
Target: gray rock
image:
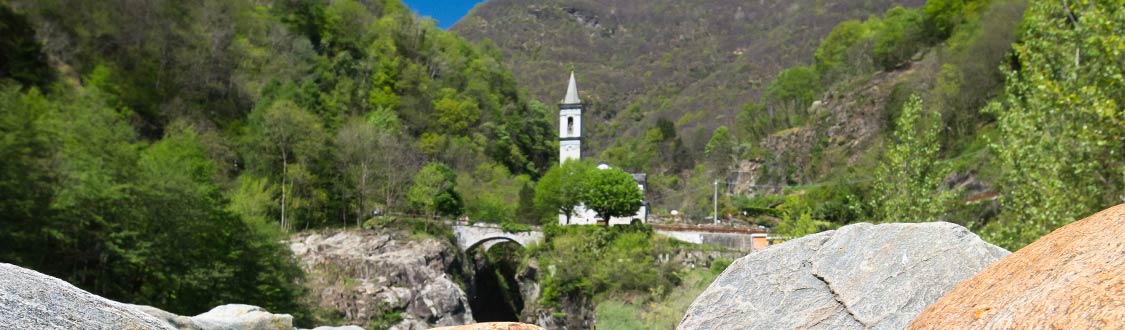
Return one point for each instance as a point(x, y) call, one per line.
point(861, 276)
point(242, 317)
point(231, 317)
point(346, 327)
point(31, 300)
point(365, 274)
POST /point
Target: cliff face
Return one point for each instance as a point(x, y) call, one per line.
point(640, 60)
point(385, 278)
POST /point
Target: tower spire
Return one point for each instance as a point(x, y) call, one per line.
point(571, 92)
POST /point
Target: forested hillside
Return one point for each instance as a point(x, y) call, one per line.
point(155, 151)
point(692, 62)
point(986, 113)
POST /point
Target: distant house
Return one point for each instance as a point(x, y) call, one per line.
point(570, 147)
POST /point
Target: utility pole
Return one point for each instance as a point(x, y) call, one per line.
point(715, 202)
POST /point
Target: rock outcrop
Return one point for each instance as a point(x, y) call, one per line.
point(1072, 278)
point(861, 276)
point(32, 300)
point(364, 275)
point(492, 326)
point(225, 317)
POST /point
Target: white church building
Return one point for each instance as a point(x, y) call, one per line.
point(570, 147)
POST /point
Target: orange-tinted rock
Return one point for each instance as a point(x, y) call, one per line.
point(1073, 278)
point(492, 326)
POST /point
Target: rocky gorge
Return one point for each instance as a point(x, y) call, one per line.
point(937, 275)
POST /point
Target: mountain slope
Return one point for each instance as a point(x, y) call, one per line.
point(641, 60)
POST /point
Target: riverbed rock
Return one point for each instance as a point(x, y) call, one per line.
point(1072, 278)
point(32, 300)
point(492, 326)
point(364, 274)
point(861, 276)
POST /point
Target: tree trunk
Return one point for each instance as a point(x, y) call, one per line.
point(284, 174)
point(362, 196)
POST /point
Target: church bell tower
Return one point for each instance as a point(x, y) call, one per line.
point(570, 123)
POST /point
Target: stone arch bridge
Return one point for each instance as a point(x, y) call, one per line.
point(470, 236)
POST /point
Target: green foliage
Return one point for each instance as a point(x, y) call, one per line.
point(798, 85)
point(434, 191)
point(619, 315)
point(908, 180)
point(719, 265)
point(127, 220)
point(493, 195)
point(900, 36)
point(798, 226)
point(283, 141)
point(514, 227)
point(563, 188)
point(841, 53)
point(941, 16)
point(1060, 120)
point(22, 58)
point(590, 260)
point(721, 151)
point(612, 193)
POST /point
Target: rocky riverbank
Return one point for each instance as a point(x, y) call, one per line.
point(386, 278)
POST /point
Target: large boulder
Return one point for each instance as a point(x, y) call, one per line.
point(231, 317)
point(31, 300)
point(1072, 278)
point(861, 276)
point(366, 274)
point(492, 326)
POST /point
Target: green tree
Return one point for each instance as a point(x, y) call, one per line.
point(835, 56)
point(941, 16)
point(800, 85)
point(908, 180)
point(898, 38)
point(798, 226)
point(278, 136)
point(563, 188)
point(1060, 123)
point(721, 152)
point(612, 193)
point(455, 115)
point(434, 191)
point(357, 145)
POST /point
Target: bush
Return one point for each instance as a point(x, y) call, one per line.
point(719, 265)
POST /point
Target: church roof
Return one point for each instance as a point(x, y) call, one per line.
point(571, 92)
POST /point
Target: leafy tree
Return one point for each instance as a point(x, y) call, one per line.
point(612, 193)
point(27, 181)
point(908, 186)
point(22, 58)
point(835, 56)
point(721, 152)
point(358, 146)
point(941, 16)
point(898, 38)
point(455, 116)
point(799, 85)
point(1060, 123)
point(434, 191)
point(798, 226)
point(563, 188)
point(279, 135)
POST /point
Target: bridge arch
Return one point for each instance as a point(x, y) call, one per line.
point(489, 242)
point(471, 236)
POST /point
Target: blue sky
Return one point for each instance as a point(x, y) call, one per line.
point(446, 12)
